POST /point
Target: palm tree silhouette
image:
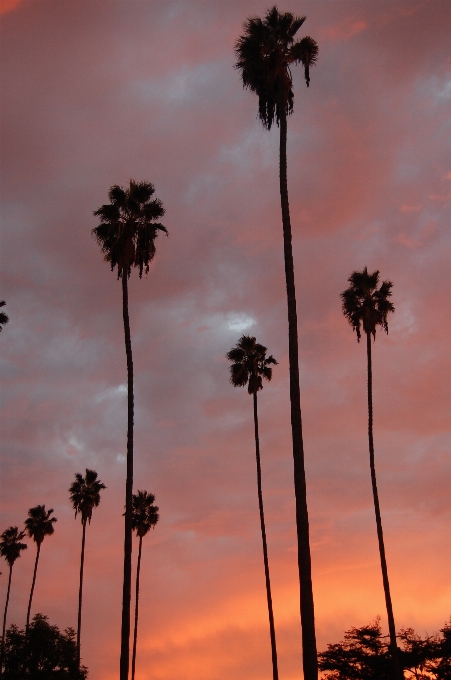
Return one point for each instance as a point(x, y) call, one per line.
point(249, 366)
point(38, 525)
point(145, 516)
point(367, 306)
point(265, 53)
point(84, 496)
point(4, 318)
point(126, 234)
point(10, 549)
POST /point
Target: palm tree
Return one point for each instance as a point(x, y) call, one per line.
point(249, 366)
point(4, 318)
point(367, 306)
point(38, 525)
point(265, 53)
point(126, 234)
point(84, 496)
point(145, 516)
point(10, 549)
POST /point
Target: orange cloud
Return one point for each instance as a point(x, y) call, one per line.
point(8, 5)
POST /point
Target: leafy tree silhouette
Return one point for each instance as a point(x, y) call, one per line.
point(51, 654)
point(84, 496)
point(365, 654)
point(126, 235)
point(265, 53)
point(249, 365)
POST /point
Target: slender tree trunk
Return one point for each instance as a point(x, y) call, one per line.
point(4, 619)
point(309, 653)
point(25, 660)
point(380, 537)
point(272, 632)
point(80, 591)
point(135, 633)
point(32, 590)
point(127, 585)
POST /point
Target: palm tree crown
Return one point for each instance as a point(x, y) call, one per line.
point(264, 54)
point(10, 545)
point(249, 364)
point(85, 494)
point(4, 318)
point(128, 228)
point(39, 524)
point(145, 513)
point(365, 305)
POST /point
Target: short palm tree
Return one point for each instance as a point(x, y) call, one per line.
point(126, 233)
point(367, 306)
point(4, 318)
point(249, 365)
point(10, 549)
point(265, 54)
point(84, 496)
point(38, 525)
point(145, 516)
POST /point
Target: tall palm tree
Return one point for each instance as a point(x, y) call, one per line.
point(84, 496)
point(10, 549)
point(126, 234)
point(38, 525)
point(367, 306)
point(4, 318)
point(265, 53)
point(249, 366)
point(145, 516)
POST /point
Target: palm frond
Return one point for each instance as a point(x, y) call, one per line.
point(263, 55)
point(128, 227)
point(10, 544)
point(249, 364)
point(366, 306)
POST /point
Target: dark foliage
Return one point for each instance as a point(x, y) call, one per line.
point(364, 655)
point(264, 54)
point(51, 654)
point(249, 364)
point(4, 318)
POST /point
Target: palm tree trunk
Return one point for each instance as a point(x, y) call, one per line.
point(25, 660)
point(127, 585)
point(32, 590)
point(391, 621)
point(4, 618)
point(135, 633)
point(80, 591)
point(272, 632)
point(309, 653)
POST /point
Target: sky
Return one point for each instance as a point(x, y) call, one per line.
point(98, 92)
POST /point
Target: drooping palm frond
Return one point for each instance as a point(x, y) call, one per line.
point(249, 364)
point(39, 524)
point(145, 513)
point(10, 544)
point(128, 227)
point(85, 494)
point(264, 54)
point(4, 318)
point(365, 305)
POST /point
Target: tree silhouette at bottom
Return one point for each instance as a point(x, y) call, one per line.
point(51, 654)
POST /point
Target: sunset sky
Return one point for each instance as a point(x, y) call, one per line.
point(96, 92)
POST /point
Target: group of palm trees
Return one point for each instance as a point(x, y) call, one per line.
point(84, 494)
point(129, 225)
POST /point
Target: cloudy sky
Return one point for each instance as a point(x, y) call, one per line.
point(97, 92)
